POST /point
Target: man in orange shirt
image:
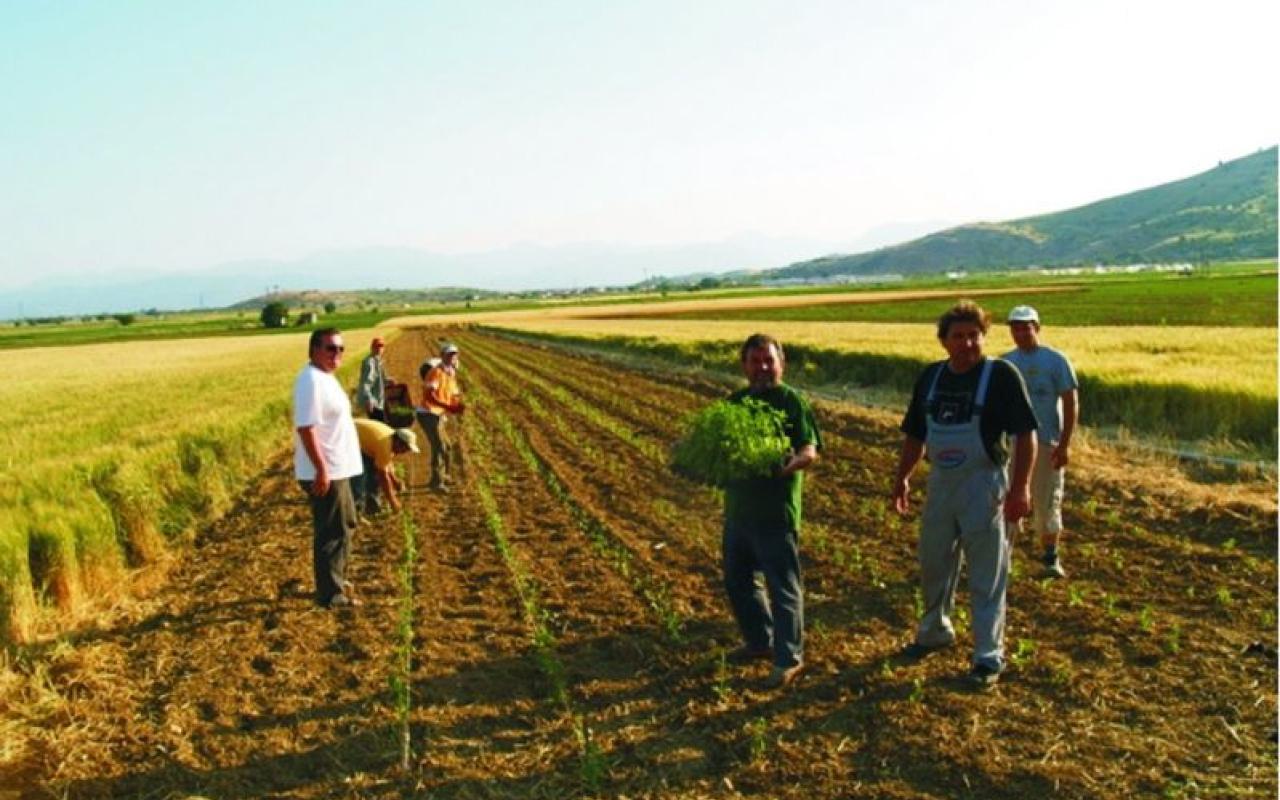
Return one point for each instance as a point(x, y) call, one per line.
point(440, 397)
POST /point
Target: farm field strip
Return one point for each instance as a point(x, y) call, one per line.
point(569, 608)
point(582, 400)
point(676, 492)
point(653, 410)
point(620, 557)
point(471, 715)
point(226, 680)
point(1152, 633)
point(619, 498)
point(825, 582)
point(831, 528)
point(402, 660)
point(539, 622)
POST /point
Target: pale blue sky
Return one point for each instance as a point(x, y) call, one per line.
point(173, 136)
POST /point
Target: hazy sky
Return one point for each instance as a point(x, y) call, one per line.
point(175, 135)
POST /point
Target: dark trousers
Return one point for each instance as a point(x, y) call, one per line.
point(774, 621)
point(333, 521)
point(379, 414)
point(366, 488)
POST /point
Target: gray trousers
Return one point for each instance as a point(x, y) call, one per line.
point(778, 621)
point(432, 425)
point(965, 516)
point(333, 521)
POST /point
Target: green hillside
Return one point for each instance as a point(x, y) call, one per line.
point(1226, 213)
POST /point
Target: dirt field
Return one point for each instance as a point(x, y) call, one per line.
point(1150, 672)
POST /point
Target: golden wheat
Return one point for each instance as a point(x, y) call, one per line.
point(1240, 359)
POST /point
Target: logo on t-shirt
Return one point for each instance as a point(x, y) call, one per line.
point(952, 408)
point(950, 458)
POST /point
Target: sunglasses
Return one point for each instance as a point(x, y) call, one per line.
point(335, 348)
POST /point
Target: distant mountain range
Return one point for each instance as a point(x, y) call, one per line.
point(1226, 213)
point(519, 267)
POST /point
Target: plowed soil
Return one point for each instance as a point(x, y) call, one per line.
point(568, 633)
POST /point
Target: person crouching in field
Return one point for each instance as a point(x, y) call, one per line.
point(961, 410)
point(1055, 397)
point(440, 397)
point(762, 525)
point(326, 455)
point(379, 444)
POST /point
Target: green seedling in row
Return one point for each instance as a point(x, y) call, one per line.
point(917, 691)
point(1173, 640)
point(1109, 605)
point(593, 765)
point(1060, 674)
point(1223, 597)
point(1075, 596)
point(757, 741)
point(721, 686)
point(1023, 652)
point(818, 630)
point(1146, 619)
point(1229, 545)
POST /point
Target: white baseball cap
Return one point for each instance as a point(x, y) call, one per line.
point(448, 348)
point(1024, 314)
point(405, 435)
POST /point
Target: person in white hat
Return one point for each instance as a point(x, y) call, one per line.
point(440, 397)
point(379, 444)
point(1055, 397)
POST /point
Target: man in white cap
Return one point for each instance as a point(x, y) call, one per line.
point(371, 388)
point(1055, 398)
point(440, 397)
point(379, 444)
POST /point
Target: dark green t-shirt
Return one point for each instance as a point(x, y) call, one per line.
point(774, 502)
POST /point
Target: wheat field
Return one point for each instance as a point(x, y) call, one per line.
point(112, 451)
point(1236, 359)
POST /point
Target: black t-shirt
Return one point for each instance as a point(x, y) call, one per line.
point(1007, 409)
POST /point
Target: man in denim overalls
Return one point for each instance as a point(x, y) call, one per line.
point(960, 412)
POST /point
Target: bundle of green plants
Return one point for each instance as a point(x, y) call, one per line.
point(731, 441)
point(400, 416)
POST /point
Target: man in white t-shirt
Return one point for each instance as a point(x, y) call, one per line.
point(1055, 398)
point(326, 455)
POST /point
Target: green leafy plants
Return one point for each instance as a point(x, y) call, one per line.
point(730, 441)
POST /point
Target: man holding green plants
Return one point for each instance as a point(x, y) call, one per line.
point(961, 411)
point(326, 455)
point(762, 524)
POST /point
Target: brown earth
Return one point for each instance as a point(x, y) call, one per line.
point(1151, 671)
